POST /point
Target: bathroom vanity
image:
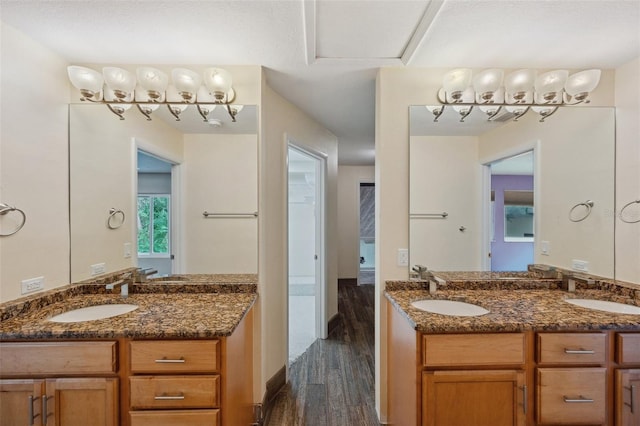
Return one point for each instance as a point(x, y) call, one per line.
point(533, 359)
point(182, 357)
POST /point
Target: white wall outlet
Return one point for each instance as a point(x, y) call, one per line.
point(127, 250)
point(403, 257)
point(32, 284)
point(580, 265)
point(98, 268)
point(545, 248)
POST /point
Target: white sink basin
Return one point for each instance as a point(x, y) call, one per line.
point(603, 305)
point(450, 307)
point(93, 313)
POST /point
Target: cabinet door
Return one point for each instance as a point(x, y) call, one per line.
point(87, 402)
point(479, 398)
point(20, 402)
point(627, 397)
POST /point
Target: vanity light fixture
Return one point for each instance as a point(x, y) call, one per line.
point(149, 88)
point(521, 90)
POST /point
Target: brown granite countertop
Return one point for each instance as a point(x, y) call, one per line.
point(202, 308)
point(514, 310)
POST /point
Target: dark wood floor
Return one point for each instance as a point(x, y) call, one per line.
point(332, 383)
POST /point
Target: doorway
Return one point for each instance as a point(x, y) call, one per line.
point(367, 269)
point(154, 219)
point(512, 220)
point(306, 276)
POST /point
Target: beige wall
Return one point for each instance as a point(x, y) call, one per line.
point(102, 173)
point(575, 153)
point(219, 175)
point(349, 179)
point(446, 176)
point(396, 90)
point(282, 121)
point(33, 163)
point(628, 170)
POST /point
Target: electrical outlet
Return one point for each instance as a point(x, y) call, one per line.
point(98, 268)
point(580, 265)
point(403, 257)
point(127, 250)
point(545, 248)
point(32, 284)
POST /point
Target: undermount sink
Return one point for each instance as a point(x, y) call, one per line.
point(449, 307)
point(94, 313)
point(603, 305)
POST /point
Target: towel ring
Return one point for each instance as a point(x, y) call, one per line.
point(112, 214)
point(624, 207)
point(588, 204)
point(5, 209)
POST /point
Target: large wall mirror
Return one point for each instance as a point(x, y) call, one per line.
point(172, 196)
point(501, 194)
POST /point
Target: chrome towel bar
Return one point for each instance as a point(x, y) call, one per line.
point(208, 215)
point(442, 215)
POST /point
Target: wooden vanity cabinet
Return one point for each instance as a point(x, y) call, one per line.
point(571, 378)
point(174, 374)
point(627, 379)
point(51, 383)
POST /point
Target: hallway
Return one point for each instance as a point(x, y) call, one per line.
point(332, 383)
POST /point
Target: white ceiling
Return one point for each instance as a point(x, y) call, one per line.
point(322, 55)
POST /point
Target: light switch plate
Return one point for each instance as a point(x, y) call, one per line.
point(545, 248)
point(32, 284)
point(580, 265)
point(127, 250)
point(98, 268)
point(403, 257)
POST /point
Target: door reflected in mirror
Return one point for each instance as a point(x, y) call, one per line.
point(573, 161)
point(212, 169)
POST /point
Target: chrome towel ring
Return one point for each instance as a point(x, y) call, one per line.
point(113, 212)
point(626, 206)
point(5, 209)
point(588, 204)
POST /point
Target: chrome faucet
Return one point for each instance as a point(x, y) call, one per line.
point(121, 285)
point(142, 274)
point(423, 272)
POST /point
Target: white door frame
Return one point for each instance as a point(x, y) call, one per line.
point(486, 195)
point(177, 226)
point(322, 327)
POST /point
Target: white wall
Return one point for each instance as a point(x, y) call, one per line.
point(220, 175)
point(396, 90)
point(349, 179)
point(446, 176)
point(33, 163)
point(628, 170)
point(281, 121)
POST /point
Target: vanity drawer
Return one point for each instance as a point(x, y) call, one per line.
point(175, 392)
point(571, 348)
point(571, 396)
point(57, 358)
point(472, 349)
point(628, 348)
point(175, 417)
point(174, 356)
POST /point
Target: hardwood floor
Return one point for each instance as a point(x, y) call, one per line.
point(332, 383)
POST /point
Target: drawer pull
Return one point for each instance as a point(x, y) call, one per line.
point(580, 399)
point(45, 409)
point(579, 351)
point(170, 361)
point(632, 390)
point(32, 415)
point(163, 397)
point(524, 399)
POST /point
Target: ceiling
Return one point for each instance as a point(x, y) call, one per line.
point(323, 55)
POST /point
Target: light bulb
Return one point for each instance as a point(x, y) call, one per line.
point(89, 82)
point(519, 84)
point(186, 82)
point(487, 83)
point(218, 81)
point(550, 84)
point(153, 81)
point(456, 81)
point(580, 84)
point(121, 81)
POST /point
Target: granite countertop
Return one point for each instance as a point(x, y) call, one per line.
point(513, 310)
point(203, 308)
